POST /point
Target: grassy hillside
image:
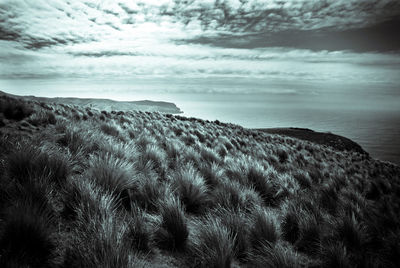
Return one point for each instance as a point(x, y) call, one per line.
point(84, 188)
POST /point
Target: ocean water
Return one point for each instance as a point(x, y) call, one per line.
point(367, 113)
point(376, 130)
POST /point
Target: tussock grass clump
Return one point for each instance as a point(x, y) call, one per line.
point(112, 174)
point(148, 193)
point(238, 225)
point(262, 182)
point(329, 198)
point(232, 195)
point(351, 232)
point(99, 243)
point(15, 109)
point(290, 225)
point(26, 237)
point(190, 155)
point(282, 155)
point(209, 155)
point(43, 118)
point(309, 241)
point(335, 255)
point(190, 186)
point(156, 156)
point(275, 256)
point(303, 179)
point(138, 234)
point(264, 230)
point(109, 130)
point(213, 174)
point(85, 202)
point(76, 141)
point(173, 232)
point(31, 162)
point(213, 244)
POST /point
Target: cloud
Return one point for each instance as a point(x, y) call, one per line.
point(299, 39)
point(382, 37)
point(43, 23)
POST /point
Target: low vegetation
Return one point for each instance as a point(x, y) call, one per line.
point(81, 187)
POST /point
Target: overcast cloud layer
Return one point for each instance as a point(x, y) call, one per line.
point(309, 40)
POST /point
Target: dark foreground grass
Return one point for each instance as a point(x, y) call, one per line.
point(86, 188)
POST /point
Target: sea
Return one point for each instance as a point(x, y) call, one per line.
point(367, 113)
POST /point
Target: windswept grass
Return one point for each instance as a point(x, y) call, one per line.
point(173, 232)
point(264, 231)
point(81, 187)
point(213, 245)
point(190, 187)
point(26, 237)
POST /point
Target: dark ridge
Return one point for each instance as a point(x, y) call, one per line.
point(329, 139)
point(107, 104)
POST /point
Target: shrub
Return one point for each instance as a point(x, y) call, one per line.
point(213, 245)
point(173, 232)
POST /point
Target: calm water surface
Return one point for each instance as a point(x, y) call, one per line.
point(375, 128)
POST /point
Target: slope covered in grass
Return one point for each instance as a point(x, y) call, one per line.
point(84, 188)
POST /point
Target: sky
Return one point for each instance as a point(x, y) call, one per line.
point(271, 41)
